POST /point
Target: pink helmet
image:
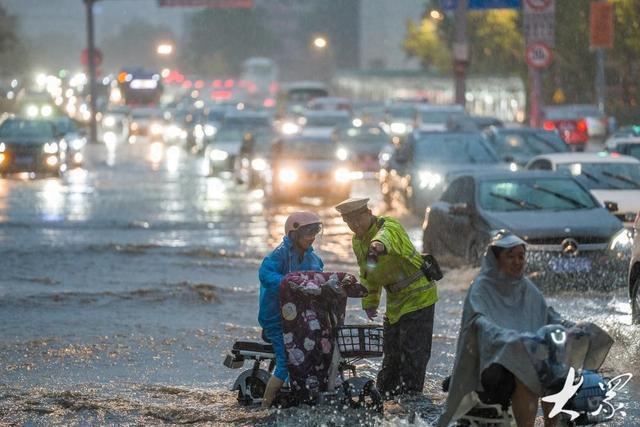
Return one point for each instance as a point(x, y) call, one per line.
point(300, 219)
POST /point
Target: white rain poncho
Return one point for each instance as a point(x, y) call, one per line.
point(498, 314)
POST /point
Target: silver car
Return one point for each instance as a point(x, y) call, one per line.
point(634, 273)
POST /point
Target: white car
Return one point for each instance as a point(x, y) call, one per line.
point(438, 118)
point(625, 141)
point(611, 177)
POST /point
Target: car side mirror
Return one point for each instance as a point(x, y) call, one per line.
point(611, 206)
point(459, 209)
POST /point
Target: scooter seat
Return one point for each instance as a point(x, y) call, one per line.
point(254, 347)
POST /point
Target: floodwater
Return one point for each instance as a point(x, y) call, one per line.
point(124, 284)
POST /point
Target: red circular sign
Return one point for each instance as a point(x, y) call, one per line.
point(97, 57)
point(538, 55)
point(538, 4)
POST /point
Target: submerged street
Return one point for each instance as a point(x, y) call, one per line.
point(125, 283)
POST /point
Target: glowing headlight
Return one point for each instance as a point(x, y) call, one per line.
point(385, 157)
point(77, 144)
point(513, 166)
point(110, 138)
point(429, 180)
point(50, 148)
point(218, 155)
point(210, 130)
point(398, 127)
point(621, 241)
point(32, 111)
point(46, 110)
point(288, 175)
point(2, 147)
point(356, 123)
point(109, 122)
point(342, 153)
point(156, 129)
point(343, 175)
point(259, 164)
point(289, 128)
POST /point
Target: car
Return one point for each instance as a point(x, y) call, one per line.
point(76, 140)
point(221, 151)
point(572, 241)
point(360, 146)
point(417, 170)
point(625, 141)
point(209, 122)
point(146, 122)
point(486, 122)
point(254, 158)
point(634, 273)
point(576, 123)
point(307, 166)
point(31, 145)
point(322, 123)
point(330, 103)
point(611, 178)
point(519, 145)
point(441, 117)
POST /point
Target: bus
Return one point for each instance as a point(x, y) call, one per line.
point(139, 87)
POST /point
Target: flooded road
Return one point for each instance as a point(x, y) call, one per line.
point(125, 283)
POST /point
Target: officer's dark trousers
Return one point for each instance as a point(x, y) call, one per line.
point(407, 349)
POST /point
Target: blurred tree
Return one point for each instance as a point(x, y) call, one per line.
point(134, 45)
point(496, 43)
point(219, 40)
point(626, 52)
point(13, 53)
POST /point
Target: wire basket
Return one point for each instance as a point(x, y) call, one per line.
point(360, 340)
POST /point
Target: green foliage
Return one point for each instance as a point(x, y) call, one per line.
point(220, 39)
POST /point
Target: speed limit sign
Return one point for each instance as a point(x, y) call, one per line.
point(538, 55)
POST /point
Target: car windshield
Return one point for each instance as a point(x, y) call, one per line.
point(321, 149)
point(325, 121)
point(367, 138)
point(605, 176)
point(229, 133)
point(440, 116)
point(65, 125)
point(263, 141)
point(533, 194)
point(453, 149)
point(247, 122)
point(215, 116)
point(634, 150)
point(401, 112)
point(529, 143)
point(571, 113)
point(26, 129)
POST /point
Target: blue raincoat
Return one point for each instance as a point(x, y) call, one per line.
point(284, 259)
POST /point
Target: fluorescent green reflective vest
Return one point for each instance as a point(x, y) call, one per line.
point(400, 260)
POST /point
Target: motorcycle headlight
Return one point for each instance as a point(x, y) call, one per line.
point(259, 164)
point(342, 175)
point(50, 148)
point(429, 180)
point(621, 241)
point(218, 155)
point(288, 175)
point(342, 153)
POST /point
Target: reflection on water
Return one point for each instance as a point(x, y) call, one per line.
point(51, 200)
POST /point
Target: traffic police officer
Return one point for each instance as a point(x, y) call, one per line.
point(387, 259)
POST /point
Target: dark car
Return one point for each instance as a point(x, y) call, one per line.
point(418, 169)
point(361, 145)
point(634, 273)
point(572, 240)
point(31, 145)
point(308, 166)
point(519, 145)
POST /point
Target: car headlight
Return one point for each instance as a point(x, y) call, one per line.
point(2, 147)
point(289, 128)
point(343, 175)
point(259, 164)
point(50, 148)
point(342, 153)
point(288, 175)
point(78, 143)
point(156, 129)
point(622, 240)
point(210, 130)
point(32, 111)
point(218, 155)
point(46, 110)
point(398, 128)
point(429, 180)
point(109, 122)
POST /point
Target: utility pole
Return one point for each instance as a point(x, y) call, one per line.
point(91, 56)
point(460, 51)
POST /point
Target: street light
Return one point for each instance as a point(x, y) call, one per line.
point(164, 49)
point(320, 42)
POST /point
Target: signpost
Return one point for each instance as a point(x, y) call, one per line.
point(538, 55)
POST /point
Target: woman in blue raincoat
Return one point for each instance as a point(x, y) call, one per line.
point(295, 253)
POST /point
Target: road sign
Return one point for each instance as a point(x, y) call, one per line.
point(538, 55)
point(601, 25)
point(450, 5)
point(210, 4)
point(539, 21)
